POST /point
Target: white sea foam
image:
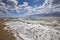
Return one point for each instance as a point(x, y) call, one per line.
point(32, 31)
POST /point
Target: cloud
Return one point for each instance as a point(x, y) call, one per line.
point(21, 7)
point(26, 10)
point(3, 8)
point(12, 3)
point(56, 2)
point(10, 6)
point(48, 6)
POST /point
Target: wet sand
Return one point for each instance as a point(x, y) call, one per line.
point(4, 35)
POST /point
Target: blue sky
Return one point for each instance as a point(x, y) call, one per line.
point(32, 2)
point(23, 8)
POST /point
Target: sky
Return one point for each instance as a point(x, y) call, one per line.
point(24, 8)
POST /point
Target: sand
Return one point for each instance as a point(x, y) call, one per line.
point(4, 35)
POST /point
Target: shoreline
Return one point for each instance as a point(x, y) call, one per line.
point(4, 34)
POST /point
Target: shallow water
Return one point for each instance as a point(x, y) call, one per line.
point(25, 31)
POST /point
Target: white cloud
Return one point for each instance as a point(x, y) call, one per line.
point(21, 7)
point(5, 7)
point(12, 5)
point(48, 6)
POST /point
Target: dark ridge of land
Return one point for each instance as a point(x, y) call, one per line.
point(4, 35)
